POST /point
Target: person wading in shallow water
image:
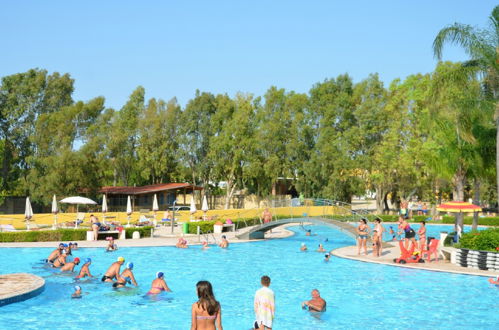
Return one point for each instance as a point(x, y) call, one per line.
point(316, 304)
point(264, 305)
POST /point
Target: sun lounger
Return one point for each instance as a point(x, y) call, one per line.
point(7, 228)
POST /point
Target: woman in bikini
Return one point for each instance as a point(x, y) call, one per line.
point(422, 235)
point(159, 285)
point(410, 234)
point(363, 232)
point(206, 312)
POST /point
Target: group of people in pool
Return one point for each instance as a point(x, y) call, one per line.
point(182, 243)
point(304, 248)
point(404, 227)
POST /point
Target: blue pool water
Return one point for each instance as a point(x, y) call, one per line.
point(359, 295)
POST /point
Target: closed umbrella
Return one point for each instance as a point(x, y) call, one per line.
point(193, 206)
point(155, 207)
point(204, 207)
point(55, 210)
point(129, 209)
point(28, 212)
point(104, 204)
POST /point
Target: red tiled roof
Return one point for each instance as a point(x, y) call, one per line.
point(147, 189)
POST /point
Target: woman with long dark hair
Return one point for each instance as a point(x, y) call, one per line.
point(206, 312)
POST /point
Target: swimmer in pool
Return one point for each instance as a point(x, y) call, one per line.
point(85, 270)
point(60, 261)
point(326, 257)
point(182, 243)
point(158, 284)
point(321, 248)
point(303, 247)
point(56, 253)
point(70, 266)
point(77, 293)
point(224, 243)
point(205, 245)
point(126, 277)
point(111, 246)
point(113, 271)
point(316, 304)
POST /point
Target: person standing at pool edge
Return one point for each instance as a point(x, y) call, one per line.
point(264, 305)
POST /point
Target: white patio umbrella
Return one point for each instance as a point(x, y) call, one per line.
point(193, 206)
point(28, 212)
point(104, 204)
point(77, 200)
point(155, 207)
point(129, 209)
point(55, 210)
point(204, 207)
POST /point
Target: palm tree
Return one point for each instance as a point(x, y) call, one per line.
point(482, 46)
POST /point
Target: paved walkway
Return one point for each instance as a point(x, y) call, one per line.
point(162, 237)
point(390, 253)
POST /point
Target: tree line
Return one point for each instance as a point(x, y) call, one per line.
point(429, 135)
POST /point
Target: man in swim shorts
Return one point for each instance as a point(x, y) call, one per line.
point(56, 253)
point(316, 304)
point(70, 266)
point(113, 271)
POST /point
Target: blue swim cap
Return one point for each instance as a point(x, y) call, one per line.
point(129, 265)
point(87, 260)
point(61, 244)
point(159, 274)
point(65, 245)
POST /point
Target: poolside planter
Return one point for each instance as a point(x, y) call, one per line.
point(483, 260)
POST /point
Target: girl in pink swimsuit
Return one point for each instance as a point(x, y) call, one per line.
point(206, 312)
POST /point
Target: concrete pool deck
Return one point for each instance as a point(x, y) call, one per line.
point(390, 253)
point(162, 237)
point(19, 287)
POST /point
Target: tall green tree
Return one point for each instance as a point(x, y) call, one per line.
point(158, 141)
point(123, 141)
point(23, 98)
point(233, 145)
point(482, 46)
point(196, 131)
point(55, 167)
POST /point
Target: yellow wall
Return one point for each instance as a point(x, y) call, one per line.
point(17, 220)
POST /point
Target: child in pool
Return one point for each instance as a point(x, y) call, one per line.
point(77, 293)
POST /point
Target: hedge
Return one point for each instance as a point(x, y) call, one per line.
point(61, 235)
point(484, 240)
point(144, 231)
point(468, 220)
point(44, 235)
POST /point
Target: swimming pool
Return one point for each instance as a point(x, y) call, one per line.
point(359, 295)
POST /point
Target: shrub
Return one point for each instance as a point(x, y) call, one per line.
point(144, 231)
point(44, 235)
point(485, 240)
point(487, 221)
